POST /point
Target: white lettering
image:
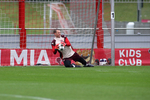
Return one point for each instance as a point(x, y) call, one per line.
point(126, 53)
point(126, 63)
point(32, 57)
point(121, 60)
point(121, 53)
point(132, 61)
point(138, 62)
point(138, 52)
point(14, 55)
point(43, 53)
point(131, 53)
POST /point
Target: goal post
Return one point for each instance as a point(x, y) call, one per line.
point(22, 31)
point(100, 34)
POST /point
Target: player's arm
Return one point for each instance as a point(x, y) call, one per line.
point(67, 42)
point(54, 47)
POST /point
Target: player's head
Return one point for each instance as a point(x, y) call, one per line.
point(57, 33)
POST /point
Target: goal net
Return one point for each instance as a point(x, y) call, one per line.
point(29, 25)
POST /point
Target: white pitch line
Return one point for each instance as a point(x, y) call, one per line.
point(27, 97)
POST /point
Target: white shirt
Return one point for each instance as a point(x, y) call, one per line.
point(67, 52)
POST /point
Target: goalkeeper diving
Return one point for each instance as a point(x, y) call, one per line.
point(67, 54)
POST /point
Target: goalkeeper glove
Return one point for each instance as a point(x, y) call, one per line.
point(63, 43)
point(56, 46)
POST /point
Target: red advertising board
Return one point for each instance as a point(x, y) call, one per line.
point(129, 57)
point(31, 57)
point(134, 57)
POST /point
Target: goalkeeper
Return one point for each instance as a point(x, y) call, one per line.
point(67, 54)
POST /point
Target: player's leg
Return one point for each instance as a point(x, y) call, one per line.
point(78, 58)
point(84, 62)
point(67, 63)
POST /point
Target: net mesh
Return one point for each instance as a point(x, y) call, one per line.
point(73, 14)
point(9, 38)
point(76, 15)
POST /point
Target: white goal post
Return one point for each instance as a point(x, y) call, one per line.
point(63, 16)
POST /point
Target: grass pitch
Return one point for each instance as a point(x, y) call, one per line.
point(60, 83)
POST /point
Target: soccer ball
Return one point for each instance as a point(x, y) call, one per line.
point(102, 61)
point(61, 47)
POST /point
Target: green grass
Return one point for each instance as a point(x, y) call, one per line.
point(145, 11)
point(60, 83)
point(126, 11)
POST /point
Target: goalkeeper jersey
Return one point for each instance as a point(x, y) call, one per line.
point(67, 52)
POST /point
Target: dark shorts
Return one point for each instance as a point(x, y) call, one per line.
point(74, 57)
